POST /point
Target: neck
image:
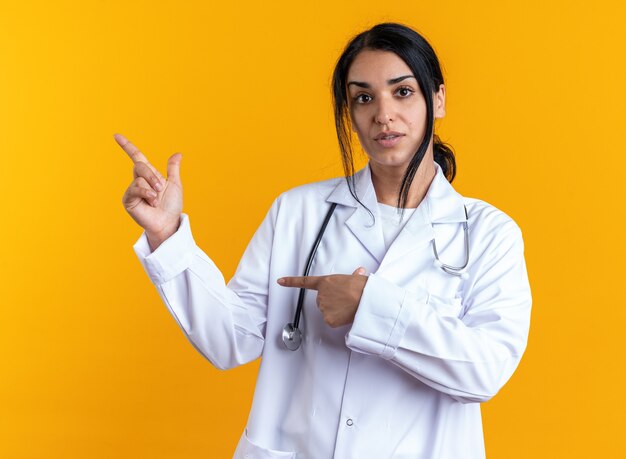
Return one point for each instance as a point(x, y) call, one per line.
point(387, 181)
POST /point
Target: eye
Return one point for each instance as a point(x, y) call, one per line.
point(404, 91)
point(362, 98)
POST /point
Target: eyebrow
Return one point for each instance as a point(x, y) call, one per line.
point(361, 84)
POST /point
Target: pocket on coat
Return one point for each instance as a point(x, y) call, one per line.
point(447, 306)
point(247, 449)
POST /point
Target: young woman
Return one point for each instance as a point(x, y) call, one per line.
point(415, 305)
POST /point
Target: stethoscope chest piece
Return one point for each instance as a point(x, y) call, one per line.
point(292, 337)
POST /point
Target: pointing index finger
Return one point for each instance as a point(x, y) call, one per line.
point(131, 150)
point(308, 282)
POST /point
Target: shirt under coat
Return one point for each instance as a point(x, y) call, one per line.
point(406, 378)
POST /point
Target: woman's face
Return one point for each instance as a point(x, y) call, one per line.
point(387, 108)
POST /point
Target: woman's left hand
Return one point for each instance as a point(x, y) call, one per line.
point(338, 295)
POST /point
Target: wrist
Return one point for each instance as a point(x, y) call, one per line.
point(156, 238)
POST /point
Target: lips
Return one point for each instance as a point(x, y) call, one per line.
point(386, 135)
point(388, 139)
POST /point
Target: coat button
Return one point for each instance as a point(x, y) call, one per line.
point(349, 422)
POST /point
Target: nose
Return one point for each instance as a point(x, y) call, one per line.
point(384, 112)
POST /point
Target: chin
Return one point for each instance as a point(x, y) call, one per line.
point(390, 159)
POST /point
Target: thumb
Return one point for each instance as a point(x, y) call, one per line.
point(360, 270)
point(173, 168)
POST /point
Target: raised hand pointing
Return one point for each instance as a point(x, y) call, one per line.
point(152, 201)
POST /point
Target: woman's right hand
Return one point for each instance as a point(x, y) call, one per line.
point(152, 201)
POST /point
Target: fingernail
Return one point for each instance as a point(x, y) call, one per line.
point(281, 281)
point(158, 186)
point(152, 194)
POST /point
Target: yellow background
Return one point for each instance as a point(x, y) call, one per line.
point(91, 363)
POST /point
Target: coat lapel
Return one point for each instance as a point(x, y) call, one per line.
point(442, 204)
point(416, 234)
point(360, 222)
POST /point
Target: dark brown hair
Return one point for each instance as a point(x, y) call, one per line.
point(420, 57)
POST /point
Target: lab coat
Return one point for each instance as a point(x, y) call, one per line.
point(405, 379)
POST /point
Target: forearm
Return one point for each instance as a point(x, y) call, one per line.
point(416, 333)
point(222, 326)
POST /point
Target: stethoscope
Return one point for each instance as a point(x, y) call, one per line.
point(292, 336)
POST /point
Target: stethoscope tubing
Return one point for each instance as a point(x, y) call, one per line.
point(296, 319)
point(455, 270)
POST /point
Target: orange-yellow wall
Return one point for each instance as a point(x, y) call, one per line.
point(91, 363)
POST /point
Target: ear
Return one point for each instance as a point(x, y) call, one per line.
point(439, 102)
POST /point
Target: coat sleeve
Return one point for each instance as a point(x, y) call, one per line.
point(468, 357)
point(224, 322)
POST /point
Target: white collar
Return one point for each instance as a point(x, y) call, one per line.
point(442, 202)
